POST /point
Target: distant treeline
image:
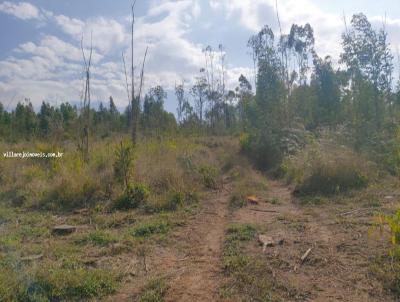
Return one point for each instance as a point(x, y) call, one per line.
point(295, 91)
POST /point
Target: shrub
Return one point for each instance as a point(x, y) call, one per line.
point(175, 200)
point(332, 178)
point(264, 150)
point(267, 148)
point(209, 176)
point(237, 201)
point(70, 192)
point(387, 268)
point(133, 197)
point(325, 168)
point(123, 163)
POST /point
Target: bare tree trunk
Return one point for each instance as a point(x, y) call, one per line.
point(134, 101)
point(86, 103)
point(142, 75)
point(135, 108)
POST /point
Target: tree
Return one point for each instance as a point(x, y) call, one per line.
point(199, 93)
point(180, 96)
point(155, 119)
point(45, 119)
point(367, 56)
point(300, 42)
point(327, 91)
point(114, 115)
point(85, 116)
point(244, 94)
point(25, 121)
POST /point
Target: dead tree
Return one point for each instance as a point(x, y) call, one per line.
point(86, 102)
point(134, 101)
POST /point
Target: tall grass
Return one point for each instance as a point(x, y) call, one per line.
point(323, 168)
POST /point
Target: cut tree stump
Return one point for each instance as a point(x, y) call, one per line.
point(63, 229)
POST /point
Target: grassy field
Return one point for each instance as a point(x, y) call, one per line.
point(195, 207)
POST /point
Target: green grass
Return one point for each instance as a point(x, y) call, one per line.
point(54, 283)
point(209, 176)
point(149, 228)
point(154, 291)
point(100, 238)
point(248, 275)
point(171, 201)
point(237, 201)
point(49, 193)
point(387, 270)
point(240, 232)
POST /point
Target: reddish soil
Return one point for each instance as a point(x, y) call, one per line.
point(342, 248)
point(337, 268)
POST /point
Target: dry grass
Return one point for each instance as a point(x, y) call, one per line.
point(39, 194)
point(324, 168)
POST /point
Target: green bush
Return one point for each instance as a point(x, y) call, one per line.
point(209, 176)
point(174, 201)
point(267, 147)
point(123, 163)
point(332, 178)
point(264, 150)
point(237, 201)
point(133, 197)
point(70, 194)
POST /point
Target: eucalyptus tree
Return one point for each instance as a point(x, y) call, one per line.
point(367, 56)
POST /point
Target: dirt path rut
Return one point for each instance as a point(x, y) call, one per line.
point(338, 267)
point(199, 273)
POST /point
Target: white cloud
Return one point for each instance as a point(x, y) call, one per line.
point(40, 69)
point(21, 10)
point(71, 26)
point(106, 34)
point(51, 68)
point(248, 11)
point(253, 14)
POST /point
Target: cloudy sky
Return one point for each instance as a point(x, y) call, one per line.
point(40, 56)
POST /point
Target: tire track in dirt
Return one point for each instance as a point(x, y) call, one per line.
point(337, 268)
point(190, 260)
point(198, 275)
